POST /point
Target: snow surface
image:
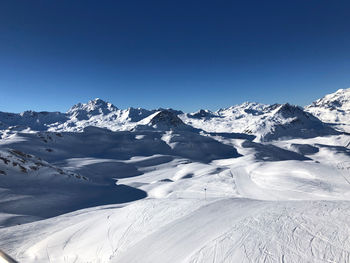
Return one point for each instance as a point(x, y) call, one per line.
point(266, 122)
point(333, 108)
point(251, 183)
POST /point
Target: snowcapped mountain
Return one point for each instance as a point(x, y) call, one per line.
point(249, 183)
point(30, 119)
point(333, 108)
point(167, 119)
point(266, 122)
point(92, 108)
point(101, 114)
point(96, 113)
point(164, 120)
point(201, 114)
point(236, 119)
point(288, 121)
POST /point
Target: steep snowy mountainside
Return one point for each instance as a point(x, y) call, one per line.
point(167, 119)
point(101, 114)
point(333, 108)
point(14, 162)
point(93, 113)
point(202, 114)
point(239, 111)
point(92, 108)
point(176, 112)
point(30, 119)
point(96, 113)
point(32, 188)
point(266, 122)
point(233, 119)
point(164, 120)
point(289, 121)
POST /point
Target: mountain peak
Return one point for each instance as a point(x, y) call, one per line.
point(93, 107)
point(166, 118)
point(339, 100)
point(98, 101)
point(247, 107)
point(333, 108)
point(162, 120)
point(288, 110)
point(201, 114)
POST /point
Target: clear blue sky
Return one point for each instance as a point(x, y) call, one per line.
point(180, 54)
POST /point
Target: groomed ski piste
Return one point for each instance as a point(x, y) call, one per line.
point(250, 183)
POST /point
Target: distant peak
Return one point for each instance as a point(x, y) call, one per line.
point(93, 107)
point(166, 117)
point(201, 114)
point(92, 104)
point(163, 120)
point(288, 110)
point(244, 105)
point(98, 101)
point(289, 107)
point(176, 112)
point(343, 90)
point(339, 100)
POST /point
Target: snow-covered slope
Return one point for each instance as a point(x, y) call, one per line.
point(12, 122)
point(233, 119)
point(333, 108)
point(96, 156)
point(163, 120)
point(33, 189)
point(96, 113)
point(101, 114)
point(251, 183)
point(229, 210)
point(288, 121)
point(266, 122)
point(226, 230)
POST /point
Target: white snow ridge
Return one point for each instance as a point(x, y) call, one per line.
point(250, 183)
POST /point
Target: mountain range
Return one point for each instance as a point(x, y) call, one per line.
point(248, 183)
point(328, 115)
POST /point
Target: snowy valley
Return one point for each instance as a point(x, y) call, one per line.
point(249, 183)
